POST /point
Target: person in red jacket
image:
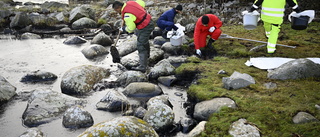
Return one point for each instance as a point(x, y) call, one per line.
point(207, 24)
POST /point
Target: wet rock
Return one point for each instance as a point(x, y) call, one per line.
point(162, 99)
point(176, 61)
point(60, 17)
point(296, 69)
point(76, 117)
point(74, 40)
point(198, 129)
point(80, 12)
point(170, 49)
point(156, 55)
point(204, 109)
point(102, 39)
point(139, 112)
point(84, 23)
point(46, 105)
point(42, 21)
point(160, 117)
point(162, 68)
point(20, 20)
point(159, 40)
point(130, 60)
point(128, 46)
point(29, 35)
point(128, 77)
point(243, 128)
point(33, 132)
point(5, 13)
point(113, 101)
point(237, 80)
point(121, 126)
point(7, 91)
point(187, 124)
point(167, 80)
point(142, 89)
point(304, 117)
point(94, 50)
point(39, 76)
point(80, 80)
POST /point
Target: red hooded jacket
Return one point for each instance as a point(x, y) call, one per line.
point(201, 31)
point(143, 18)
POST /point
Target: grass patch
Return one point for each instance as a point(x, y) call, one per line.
point(271, 110)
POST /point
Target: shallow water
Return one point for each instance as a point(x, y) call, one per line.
point(19, 57)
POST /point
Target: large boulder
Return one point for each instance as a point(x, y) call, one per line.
point(160, 117)
point(94, 50)
point(77, 117)
point(83, 23)
point(33, 132)
point(243, 128)
point(81, 11)
point(142, 89)
point(113, 101)
point(296, 69)
point(7, 91)
point(45, 105)
point(162, 68)
point(102, 39)
point(126, 126)
point(204, 109)
point(20, 20)
point(131, 76)
point(237, 80)
point(128, 46)
point(81, 79)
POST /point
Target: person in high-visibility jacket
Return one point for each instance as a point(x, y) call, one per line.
point(207, 24)
point(272, 14)
point(136, 17)
point(166, 20)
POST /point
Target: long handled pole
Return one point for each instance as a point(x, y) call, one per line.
point(227, 36)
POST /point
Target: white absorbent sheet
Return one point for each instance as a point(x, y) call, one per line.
point(272, 62)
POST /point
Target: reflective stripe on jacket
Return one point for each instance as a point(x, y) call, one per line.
point(142, 17)
point(273, 10)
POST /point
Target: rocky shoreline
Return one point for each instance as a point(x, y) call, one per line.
point(150, 116)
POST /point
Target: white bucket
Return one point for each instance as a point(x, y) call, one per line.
point(250, 21)
point(176, 41)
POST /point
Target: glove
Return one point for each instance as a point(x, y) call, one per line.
point(212, 29)
point(297, 10)
point(123, 29)
point(175, 27)
point(198, 51)
point(252, 9)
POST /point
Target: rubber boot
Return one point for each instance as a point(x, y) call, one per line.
point(143, 63)
point(212, 51)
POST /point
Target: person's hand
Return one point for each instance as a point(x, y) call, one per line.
point(212, 29)
point(123, 29)
point(198, 51)
point(252, 9)
point(297, 10)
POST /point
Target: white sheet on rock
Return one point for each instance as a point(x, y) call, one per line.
point(272, 62)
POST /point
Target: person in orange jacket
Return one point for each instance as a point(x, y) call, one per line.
point(207, 24)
